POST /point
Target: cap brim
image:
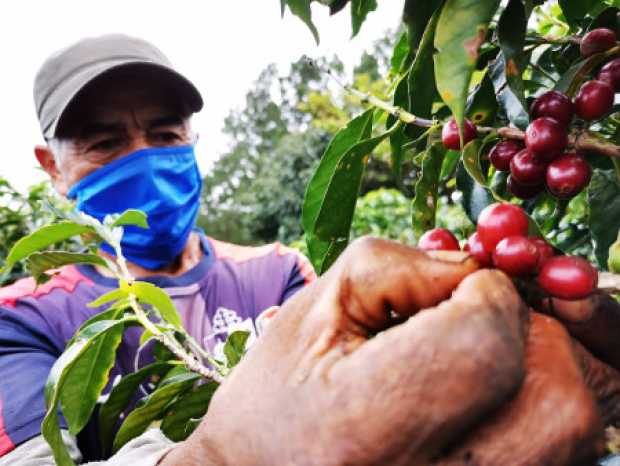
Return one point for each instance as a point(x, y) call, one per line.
point(70, 89)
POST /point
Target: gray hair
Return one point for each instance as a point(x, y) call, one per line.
point(57, 147)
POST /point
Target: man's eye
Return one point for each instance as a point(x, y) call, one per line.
point(166, 137)
point(106, 144)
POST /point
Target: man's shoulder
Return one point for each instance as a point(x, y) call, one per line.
point(274, 256)
point(66, 279)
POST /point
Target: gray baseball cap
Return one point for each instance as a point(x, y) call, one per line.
point(67, 72)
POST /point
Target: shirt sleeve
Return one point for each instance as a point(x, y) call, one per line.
point(146, 450)
point(26, 357)
point(302, 274)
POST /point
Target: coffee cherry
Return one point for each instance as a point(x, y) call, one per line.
point(523, 191)
point(597, 40)
point(503, 152)
point(594, 100)
point(553, 104)
point(498, 221)
point(450, 134)
point(610, 73)
point(516, 255)
point(476, 249)
point(568, 277)
point(546, 138)
point(568, 175)
point(527, 169)
point(438, 239)
point(545, 250)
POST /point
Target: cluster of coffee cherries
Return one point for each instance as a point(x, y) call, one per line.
point(540, 160)
point(501, 241)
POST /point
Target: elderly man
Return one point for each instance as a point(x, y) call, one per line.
point(340, 377)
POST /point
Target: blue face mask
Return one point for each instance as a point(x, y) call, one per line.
point(163, 182)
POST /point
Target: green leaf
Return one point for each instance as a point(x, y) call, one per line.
point(338, 147)
point(87, 378)
point(399, 55)
point(121, 395)
point(511, 34)
point(132, 217)
point(471, 161)
point(571, 80)
point(475, 197)
point(399, 138)
point(43, 238)
point(234, 349)
point(301, 9)
point(191, 405)
point(460, 31)
point(41, 262)
point(508, 101)
point(421, 78)
point(61, 373)
point(325, 253)
point(482, 104)
point(575, 10)
point(424, 203)
point(359, 12)
point(152, 409)
point(335, 184)
point(108, 297)
point(150, 294)
point(604, 202)
point(613, 261)
point(416, 16)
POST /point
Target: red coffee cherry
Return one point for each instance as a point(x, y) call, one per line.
point(476, 249)
point(610, 73)
point(527, 169)
point(545, 250)
point(568, 175)
point(597, 40)
point(568, 277)
point(450, 134)
point(438, 239)
point(523, 191)
point(554, 104)
point(594, 100)
point(516, 255)
point(498, 221)
point(503, 152)
point(546, 138)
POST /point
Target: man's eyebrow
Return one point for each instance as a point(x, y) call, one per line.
point(94, 129)
point(170, 120)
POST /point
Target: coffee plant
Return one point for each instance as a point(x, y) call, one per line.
point(180, 381)
point(494, 102)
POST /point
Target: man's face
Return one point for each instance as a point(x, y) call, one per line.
point(112, 119)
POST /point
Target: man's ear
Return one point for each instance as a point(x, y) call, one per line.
point(47, 161)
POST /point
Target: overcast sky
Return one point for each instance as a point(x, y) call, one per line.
point(220, 45)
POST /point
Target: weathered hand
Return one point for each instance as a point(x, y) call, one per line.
point(553, 420)
point(320, 389)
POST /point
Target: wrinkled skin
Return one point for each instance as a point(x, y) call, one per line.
point(553, 420)
point(338, 379)
point(316, 389)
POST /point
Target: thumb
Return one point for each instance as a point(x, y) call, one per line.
point(378, 276)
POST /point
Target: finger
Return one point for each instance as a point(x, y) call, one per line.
point(552, 421)
point(604, 382)
point(378, 276)
point(442, 370)
point(594, 322)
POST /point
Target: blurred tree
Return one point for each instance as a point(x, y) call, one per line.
point(254, 192)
